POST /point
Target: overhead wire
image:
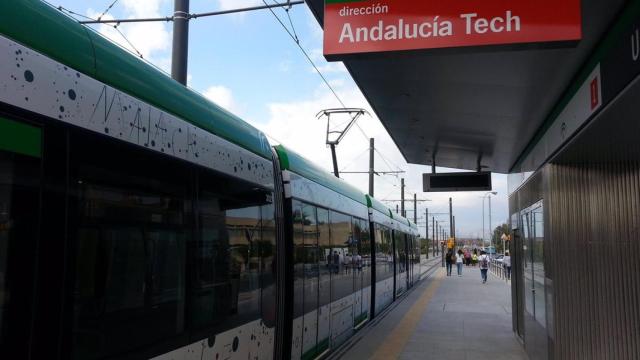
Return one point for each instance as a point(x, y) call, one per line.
point(355, 158)
point(71, 12)
point(107, 10)
point(297, 41)
point(127, 40)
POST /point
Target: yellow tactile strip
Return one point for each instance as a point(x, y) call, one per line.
point(393, 344)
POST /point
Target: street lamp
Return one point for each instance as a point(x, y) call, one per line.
point(487, 195)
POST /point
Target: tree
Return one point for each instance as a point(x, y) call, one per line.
point(496, 239)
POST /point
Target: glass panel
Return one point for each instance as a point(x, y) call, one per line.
point(19, 209)
point(298, 279)
point(355, 265)
point(384, 267)
point(310, 256)
point(538, 266)
point(364, 266)
point(527, 255)
point(229, 257)
point(400, 262)
point(341, 236)
point(326, 268)
point(268, 257)
point(342, 281)
point(130, 250)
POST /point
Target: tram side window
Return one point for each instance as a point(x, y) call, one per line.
point(341, 235)
point(267, 249)
point(131, 227)
point(384, 256)
point(227, 255)
point(326, 260)
point(365, 252)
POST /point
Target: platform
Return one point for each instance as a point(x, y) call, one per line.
point(447, 318)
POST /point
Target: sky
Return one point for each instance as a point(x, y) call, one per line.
point(248, 64)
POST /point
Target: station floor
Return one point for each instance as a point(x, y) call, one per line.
point(446, 318)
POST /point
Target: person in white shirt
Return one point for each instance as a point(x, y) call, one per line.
point(484, 265)
point(347, 263)
point(506, 262)
point(459, 261)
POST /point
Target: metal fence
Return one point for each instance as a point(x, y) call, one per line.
point(498, 269)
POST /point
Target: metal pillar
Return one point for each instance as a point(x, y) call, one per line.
point(426, 231)
point(433, 235)
point(371, 165)
point(490, 226)
point(451, 216)
point(180, 50)
point(402, 197)
point(415, 208)
point(483, 231)
point(335, 160)
point(455, 240)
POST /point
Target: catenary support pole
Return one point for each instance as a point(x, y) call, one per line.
point(490, 226)
point(433, 235)
point(426, 231)
point(451, 216)
point(180, 50)
point(483, 232)
point(415, 208)
point(335, 160)
point(402, 197)
point(371, 165)
point(455, 238)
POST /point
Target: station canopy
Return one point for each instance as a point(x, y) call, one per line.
point(467, 104)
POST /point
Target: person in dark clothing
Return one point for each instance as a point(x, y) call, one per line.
point(448, 260)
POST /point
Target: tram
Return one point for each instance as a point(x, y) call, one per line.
point(140, 220)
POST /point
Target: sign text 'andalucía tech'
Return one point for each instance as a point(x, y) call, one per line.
point(391, 25)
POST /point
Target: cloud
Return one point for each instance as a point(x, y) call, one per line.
point(151, 39)
point(295, 125)
point(222, 96)
point(237, 4)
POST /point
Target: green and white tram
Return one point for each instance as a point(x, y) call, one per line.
point(140, 220)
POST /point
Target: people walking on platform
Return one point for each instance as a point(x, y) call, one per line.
point(506, 262)
point(448, 260)
point(484, 265)
point(459, 262)
point(474, 259)
point(467, 257)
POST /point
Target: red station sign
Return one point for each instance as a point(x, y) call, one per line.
point(366, 26)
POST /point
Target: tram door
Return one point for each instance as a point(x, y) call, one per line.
point(20, 160)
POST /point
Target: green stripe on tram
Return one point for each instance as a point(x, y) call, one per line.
point(63, 39)
point(316, 350)
point(20, 138)
point(290, 160)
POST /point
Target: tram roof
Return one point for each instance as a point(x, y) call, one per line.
point(292, 161)
point(41, 27)
point(463, 104)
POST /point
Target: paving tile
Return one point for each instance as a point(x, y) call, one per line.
point(464, 320)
